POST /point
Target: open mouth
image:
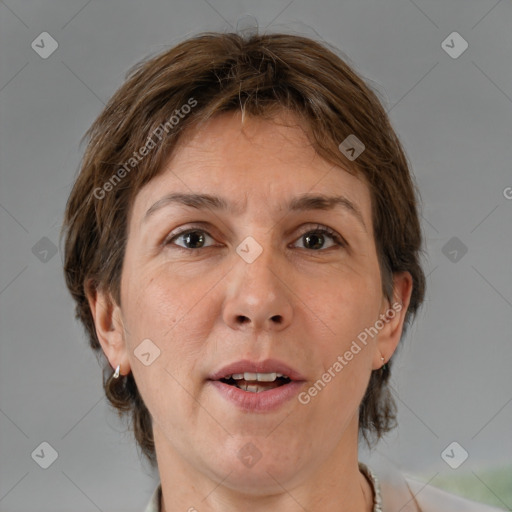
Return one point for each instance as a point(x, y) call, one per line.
point(256, 382)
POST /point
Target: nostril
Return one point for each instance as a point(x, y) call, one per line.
point(278, 319)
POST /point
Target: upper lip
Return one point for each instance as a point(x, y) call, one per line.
point(267, 366)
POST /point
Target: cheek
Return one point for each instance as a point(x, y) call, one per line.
point(346, 307)
point(170, 311)
point(353, 306)
point(156, 300)
point(174, 316)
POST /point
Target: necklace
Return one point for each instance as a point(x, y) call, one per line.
point(370, 475)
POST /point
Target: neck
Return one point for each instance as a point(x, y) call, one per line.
point(336, 485)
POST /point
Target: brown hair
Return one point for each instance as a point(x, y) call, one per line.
point(214, 73)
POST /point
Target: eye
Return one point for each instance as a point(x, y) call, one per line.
point(192, 238)
point(314, 239)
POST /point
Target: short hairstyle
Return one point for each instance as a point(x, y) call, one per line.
point(263, 75)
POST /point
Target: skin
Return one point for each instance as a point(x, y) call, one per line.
point(206, 307)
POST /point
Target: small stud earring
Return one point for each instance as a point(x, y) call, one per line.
point(116, 373)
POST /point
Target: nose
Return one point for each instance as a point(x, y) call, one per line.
point(258, 297)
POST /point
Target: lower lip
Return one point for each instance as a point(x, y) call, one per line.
point(264, 401)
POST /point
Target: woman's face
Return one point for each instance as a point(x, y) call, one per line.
point(257, 284)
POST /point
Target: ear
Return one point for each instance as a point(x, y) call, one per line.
point(393, 317)
point(109, 327)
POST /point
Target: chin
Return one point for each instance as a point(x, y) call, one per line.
point(259, 481)
point(259, 476)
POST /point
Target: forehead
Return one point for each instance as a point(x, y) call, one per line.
point(249, 142)
point(251, 160)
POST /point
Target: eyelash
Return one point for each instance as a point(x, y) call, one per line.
point(319, 230)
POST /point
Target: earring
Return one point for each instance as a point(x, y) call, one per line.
point(384, 366)
point(116, 373)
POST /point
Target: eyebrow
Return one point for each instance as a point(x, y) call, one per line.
point(304, 202)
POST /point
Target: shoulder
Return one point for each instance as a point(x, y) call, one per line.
point(432, 499)
point(155, 502)
point(401, 492)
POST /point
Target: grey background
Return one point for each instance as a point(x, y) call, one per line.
point(454, 116)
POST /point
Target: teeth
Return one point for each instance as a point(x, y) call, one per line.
point(267, 377)
point(261, 377)
point(252, 388)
